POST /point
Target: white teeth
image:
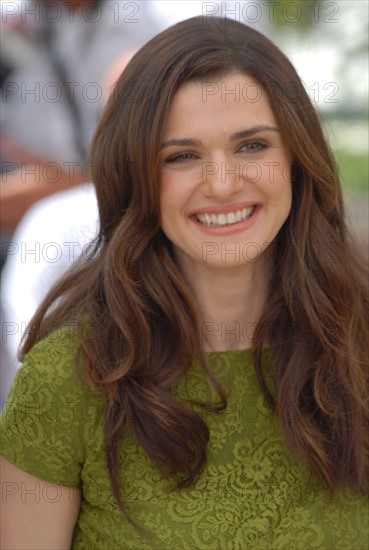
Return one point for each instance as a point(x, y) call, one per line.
point(225, 219)
point(222, 219)
point(231, 218)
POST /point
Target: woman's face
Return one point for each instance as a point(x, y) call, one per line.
point(225, 173)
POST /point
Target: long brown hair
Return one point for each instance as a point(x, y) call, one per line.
point(143, 327)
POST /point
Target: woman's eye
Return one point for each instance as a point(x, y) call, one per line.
point(181, 157)
point(253, 146)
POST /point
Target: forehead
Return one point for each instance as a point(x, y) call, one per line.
point(229, 100)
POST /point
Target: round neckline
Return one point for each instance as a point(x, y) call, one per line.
point(243, 351)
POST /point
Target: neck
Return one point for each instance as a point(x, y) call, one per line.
point(230, 301)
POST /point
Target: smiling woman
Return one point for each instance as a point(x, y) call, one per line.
point(201, 380)
point(217, 183)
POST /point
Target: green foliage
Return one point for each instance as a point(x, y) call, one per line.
point(354, 170)
point(298, 15)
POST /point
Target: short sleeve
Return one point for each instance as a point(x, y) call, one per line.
point(41, 425)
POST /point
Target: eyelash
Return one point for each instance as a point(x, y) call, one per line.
point(259, 144)
point(183, 157)
point(180, 157)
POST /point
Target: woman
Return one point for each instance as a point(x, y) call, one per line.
point(201, 380)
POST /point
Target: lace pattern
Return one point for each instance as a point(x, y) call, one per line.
point(253, 493)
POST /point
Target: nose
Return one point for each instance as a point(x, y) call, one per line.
point(221, 179)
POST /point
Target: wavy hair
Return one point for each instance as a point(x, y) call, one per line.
point(143, 325)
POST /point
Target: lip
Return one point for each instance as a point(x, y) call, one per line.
point(225, 209)
point(228, 229)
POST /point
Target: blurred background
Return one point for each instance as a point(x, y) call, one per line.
point(59, 61)
point(326, 40)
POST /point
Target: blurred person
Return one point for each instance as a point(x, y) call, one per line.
point(54, 232)
point(76, 54)
point(52, 102)
point(138, 405)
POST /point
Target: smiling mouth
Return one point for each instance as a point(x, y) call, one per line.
point(231, 218)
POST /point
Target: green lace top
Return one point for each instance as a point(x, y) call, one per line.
point(253, 493)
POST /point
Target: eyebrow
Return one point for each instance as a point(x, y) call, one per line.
point(183, 142)
point(238, 135)
point(253, 130)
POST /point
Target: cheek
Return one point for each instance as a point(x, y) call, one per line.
point(274, 179)
point(171, 201)
point(284, 197)
point(166, 192)
point(284, 182)
point(175, 194)
point(278, 171)
point(276, 185)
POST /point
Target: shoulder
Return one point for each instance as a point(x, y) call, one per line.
point(47, 421)
point(55, 360)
